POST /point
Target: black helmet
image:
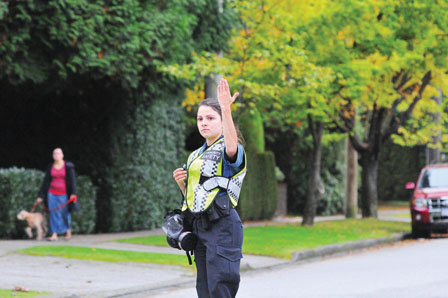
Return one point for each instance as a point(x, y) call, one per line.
point(176, 236)
point(187, 240)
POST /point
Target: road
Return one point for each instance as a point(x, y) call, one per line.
point(410, 269)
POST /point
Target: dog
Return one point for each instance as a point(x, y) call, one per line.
point(35, 221)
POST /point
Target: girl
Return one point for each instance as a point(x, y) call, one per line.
point(211, 184)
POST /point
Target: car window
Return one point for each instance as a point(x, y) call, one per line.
point(434, 178)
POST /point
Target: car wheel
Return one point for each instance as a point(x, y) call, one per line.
point(419, 232)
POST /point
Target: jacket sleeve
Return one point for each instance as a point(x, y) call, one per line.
point(71, 178)
point(45, 186)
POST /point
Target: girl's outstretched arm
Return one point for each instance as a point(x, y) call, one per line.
point(225, 101)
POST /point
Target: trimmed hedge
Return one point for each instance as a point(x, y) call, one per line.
point(83, 221)
point(332, 174)
point(258, 199)
point(251, 125)
point(148, 145)
point(18, 191)
point(397, 166)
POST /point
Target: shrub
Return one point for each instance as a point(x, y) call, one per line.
point(83, 221)
point(258, 198)
point(332, 174)
point(140, 184)
point(18, 191)
point(251, 125)
point(398, 165)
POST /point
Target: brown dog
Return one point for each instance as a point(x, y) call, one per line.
point(35, 221)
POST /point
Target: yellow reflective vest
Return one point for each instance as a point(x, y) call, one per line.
point(205, 180)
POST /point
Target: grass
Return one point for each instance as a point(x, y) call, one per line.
point(106, 255)
point(158, 240)
point(392, 205)
point(292, 238)
point(282, 240)
point(269, 240)
point(10, 293)
point(405, 215)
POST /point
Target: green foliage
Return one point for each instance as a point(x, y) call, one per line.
point(50, 41)
point(279, 175)
point(398, 165)
point(83, 221)
point(251, 126)
point(332, 201)
point(18, 191)
point(148, 146)
point(258, 199)
point(60, 46)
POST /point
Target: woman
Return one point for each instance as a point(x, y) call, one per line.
point(58, 185)
point(211, 184)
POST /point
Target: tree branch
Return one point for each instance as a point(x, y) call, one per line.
point(403, 117)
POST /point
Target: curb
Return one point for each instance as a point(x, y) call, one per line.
point(297, 257)
point(333, 249)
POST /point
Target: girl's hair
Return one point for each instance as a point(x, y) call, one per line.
point(214, 104)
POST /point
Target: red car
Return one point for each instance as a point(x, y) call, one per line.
point(429, 204)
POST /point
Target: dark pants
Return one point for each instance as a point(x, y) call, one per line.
point(217, 256)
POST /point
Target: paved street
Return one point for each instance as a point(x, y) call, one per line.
point(411, 269)
point(261, 276)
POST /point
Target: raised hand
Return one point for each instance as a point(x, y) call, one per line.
point(224, 97)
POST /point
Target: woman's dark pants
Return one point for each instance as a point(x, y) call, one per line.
point(217, 256)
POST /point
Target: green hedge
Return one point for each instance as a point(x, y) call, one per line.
point(83, 221)
point(18, 191)
point(258, 198)
point(332, 174)
point(148, 145)
point(397, 166)
point(251, 125)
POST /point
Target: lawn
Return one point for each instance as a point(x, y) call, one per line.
point(270, 240)
point(10, 293)
point(393, 205)
point(282, 240)
point(106, 255)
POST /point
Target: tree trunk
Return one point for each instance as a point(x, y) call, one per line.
point(315, 187)
point(211, 82)
point(433, 149)
point(369, 192)
point(351, 181)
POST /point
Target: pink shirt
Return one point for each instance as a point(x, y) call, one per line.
point(57, 185)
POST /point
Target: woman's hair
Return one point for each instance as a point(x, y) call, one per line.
point(214, 104)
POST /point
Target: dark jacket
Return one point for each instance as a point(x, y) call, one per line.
point(70, 182)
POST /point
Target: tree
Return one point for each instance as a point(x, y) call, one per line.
point(266, 64)
point(382, 58)
point(364, 68)
point(399, 48)
point(61, 49)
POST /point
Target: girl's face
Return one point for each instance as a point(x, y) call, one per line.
point(58, 155)
point(209, 124)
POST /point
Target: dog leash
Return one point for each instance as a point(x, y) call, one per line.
point(73, 199)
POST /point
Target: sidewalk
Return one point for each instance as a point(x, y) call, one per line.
point(80, 278)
